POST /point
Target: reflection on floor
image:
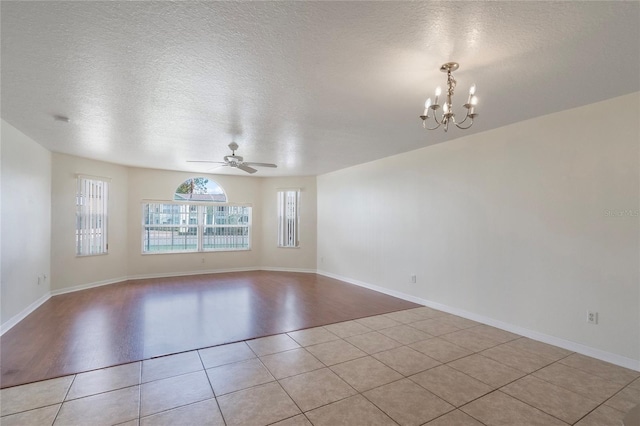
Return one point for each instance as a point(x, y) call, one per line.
point(411, 367)
point(141, 319)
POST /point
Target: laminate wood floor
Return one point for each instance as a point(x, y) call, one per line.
point(142, 319)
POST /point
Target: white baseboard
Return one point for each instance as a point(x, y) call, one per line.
point(278, 269)
point(11, 322)
point(622, 361)
point(86, 286)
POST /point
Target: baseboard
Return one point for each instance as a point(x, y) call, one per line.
point(87, 286)
point(535, 335)
point(11, 322)
point(278, 269)
point(188, 273)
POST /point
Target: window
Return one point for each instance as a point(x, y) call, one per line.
point(177, 227)
point(92, 198)
point(288, 218)
point(199, 189)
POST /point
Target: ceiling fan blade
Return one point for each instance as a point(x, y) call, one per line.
point(260, 164)
point(206, 161)
point(246, 168)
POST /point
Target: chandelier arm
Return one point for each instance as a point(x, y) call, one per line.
point(464, 127)
point(465, 119)
point(424, 124)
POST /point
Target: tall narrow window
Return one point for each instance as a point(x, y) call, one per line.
point(288, 218)
point(92, 198)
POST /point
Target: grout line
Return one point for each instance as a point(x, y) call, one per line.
point(213, 391)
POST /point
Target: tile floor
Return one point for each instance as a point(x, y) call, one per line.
point(413, 367)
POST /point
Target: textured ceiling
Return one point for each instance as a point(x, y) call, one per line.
point(311, 86)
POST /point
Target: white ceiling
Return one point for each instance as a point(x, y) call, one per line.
point(311, 86)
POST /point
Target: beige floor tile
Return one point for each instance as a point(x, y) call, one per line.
point(625, 400)
point(225, 354)
point(635, 384)
point(451, 385)
point(299, 420)
point(335, 352)
point(174, 392)
point(578, 381)
point(373, 342)
point(107, 379)
point(103, 409)
point(405, 334)
point(347, 329)
point(365, 373)
point(272, 344)
point(316, 388)
point(457, 321)
point(455, 418)
point(239, 375)
point(486, 370)
point(312, 336)
point(407, 403)
point(498, 408)
point(39, 416)
point(548, 351)
point(434, 327)
point(602, 369)
point(203, 413)
point(559, 402)
point(134, 422)
point(405, 360)
point(260, 405)
point(352, 411)
point(602, 416)
point(494, 333)
point(405, 317)
point(289, 363)
point(169, 366)
point(469, 339)
point(440, 349)
point(517, 358)
point(425, 312)
point(378, 322)
point(34, 395)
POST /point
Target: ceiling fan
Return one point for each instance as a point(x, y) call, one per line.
point(235, 161)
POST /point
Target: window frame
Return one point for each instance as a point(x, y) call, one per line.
point(101, 213)
point(284, 217)
point(200, 226)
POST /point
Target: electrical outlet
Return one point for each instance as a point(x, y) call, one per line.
point(414, 279)
point(203, 260)
point(39, 280)
point(592, 317)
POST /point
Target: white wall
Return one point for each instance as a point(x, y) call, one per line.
point(303, 257)
point(26, 222)
point(69, 270)
point(510, 224)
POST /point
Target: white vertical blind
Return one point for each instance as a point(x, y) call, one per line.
point(288, 218)
point(92, 199)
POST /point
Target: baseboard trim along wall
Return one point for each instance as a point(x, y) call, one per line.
point(11, 322)
point(541, 337)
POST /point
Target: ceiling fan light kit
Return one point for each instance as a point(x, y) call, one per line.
point(448, 116)
point(235, 161)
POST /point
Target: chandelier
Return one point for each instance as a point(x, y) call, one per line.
point(447, 116)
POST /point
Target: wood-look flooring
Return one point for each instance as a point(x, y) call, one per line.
point(141, 319)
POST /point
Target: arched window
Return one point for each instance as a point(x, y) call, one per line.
point(200, 189)
point(190, 224)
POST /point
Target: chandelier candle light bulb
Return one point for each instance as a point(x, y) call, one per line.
point(448, 115)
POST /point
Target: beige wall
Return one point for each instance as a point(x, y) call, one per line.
point(151, 184)
point(303, 257)
point(26, 222)
point(510, 224)
point(69, 270)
